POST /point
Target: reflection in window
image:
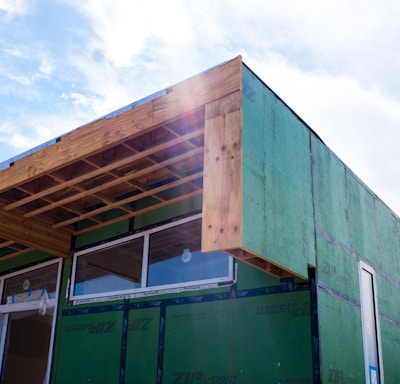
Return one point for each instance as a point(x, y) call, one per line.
point(30, 285)
point(168, 256)
point(175, 257)
point(117, 268)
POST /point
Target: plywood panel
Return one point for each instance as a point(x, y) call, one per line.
point(277, 196)
point(89, 348)
point(35, 234)
point(361, 219)
point(337, 269)
point(341, 341)
point(222, 185)
point(387, 233)
point(216, 342)
point(108, 131)
point(330, 193)
point(142, 346)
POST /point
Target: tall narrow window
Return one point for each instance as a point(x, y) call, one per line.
point(370, 325)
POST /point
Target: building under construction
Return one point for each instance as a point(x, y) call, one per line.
point(202, 235)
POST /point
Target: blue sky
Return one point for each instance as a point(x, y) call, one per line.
point(64, 63)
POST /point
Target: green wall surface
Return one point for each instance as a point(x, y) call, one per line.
point(352, 225)
point(302, 206)
point(303, 209)
point(89, 348)
point(193, 337)
point(277, 196)
point(216, 340)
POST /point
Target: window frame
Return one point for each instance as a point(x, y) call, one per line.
point(144, 290)
point(7, 309)
point(369, 269)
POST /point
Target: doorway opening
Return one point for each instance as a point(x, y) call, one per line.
point(28, 304)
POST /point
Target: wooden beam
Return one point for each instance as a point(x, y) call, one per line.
point(34, 234)
point(260, 263)
point(142, 211)
point(109, 131)
point(127, 200)
point(222, 183)
point(100, 171)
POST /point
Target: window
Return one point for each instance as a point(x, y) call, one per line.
point(167, 257)
point(370, 323)
point(27, 322)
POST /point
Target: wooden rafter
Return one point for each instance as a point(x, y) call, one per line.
point(34, 233)
point(106, 132)
point(152, 150)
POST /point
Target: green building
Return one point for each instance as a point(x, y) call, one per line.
point(202, 235)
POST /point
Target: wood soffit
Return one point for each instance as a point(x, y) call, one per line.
point(111, 169)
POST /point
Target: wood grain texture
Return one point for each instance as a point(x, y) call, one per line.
point(35, 234)
point(222, 185)
point(106, 132)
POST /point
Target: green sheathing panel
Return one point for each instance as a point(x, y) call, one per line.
point(101, 234)
point(249, 277)
point(173, 210)
point(387, 241)
point(341, 341)
point(256, 330)
point(362, 220)
point(337, 269)
point(352, 224)
point(249, 340)
point(141, 221)
point(89, 348)
point(277, 198)
point(330, 193)
point(391, 351)
point(142, 346)
point(23, 260)
point(389, 318)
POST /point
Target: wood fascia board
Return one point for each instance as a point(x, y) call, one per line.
point(222, 181)
point(34, 234)
point(108, 131)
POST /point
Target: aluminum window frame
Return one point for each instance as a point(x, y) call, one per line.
point(363, 266)
point(4, 316)
point(144, 290)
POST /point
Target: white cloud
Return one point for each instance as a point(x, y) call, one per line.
point(123, 31)
point(359, 123)
point(46, 66)
point(37, 130)
point(12, 7)
point(336, 64)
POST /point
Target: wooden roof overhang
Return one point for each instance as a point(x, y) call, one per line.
point(182, 142)
point(96, 174)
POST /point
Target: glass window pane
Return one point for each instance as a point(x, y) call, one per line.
point(111, 269)
point(175, 257)
point(26, 348)
point(369, 319)
point(30, 285)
